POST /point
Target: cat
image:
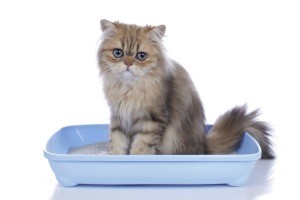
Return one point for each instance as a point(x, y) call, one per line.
point(155, 108)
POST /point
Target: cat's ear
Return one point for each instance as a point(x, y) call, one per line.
point(157, 32)
point(108, 28)
point(105, 24)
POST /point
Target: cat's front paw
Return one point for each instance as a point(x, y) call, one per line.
point(142, 150)
point(144, 144)
point(119, 143)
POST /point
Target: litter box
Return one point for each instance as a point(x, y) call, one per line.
point(74, 169)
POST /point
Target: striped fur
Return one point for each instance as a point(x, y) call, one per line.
point(155, 108)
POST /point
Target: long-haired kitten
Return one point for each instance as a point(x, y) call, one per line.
point(155, 108)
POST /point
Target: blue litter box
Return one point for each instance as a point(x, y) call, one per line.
point(74, 169)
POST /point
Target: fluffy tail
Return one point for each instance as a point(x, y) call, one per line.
point(226, 134)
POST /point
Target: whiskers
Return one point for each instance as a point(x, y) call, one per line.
point(123, 72)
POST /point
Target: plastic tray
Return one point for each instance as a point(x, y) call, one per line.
point(74, 169)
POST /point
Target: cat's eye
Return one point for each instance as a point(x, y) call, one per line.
point(118, 53)
point(141, 56)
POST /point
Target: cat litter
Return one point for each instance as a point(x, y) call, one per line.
point(99, 148)
point(78, 155)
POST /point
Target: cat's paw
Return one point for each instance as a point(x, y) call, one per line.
point(144, 144)
point(119, 143)
point(142, 150)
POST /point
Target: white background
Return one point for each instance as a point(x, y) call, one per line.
point(236, 52)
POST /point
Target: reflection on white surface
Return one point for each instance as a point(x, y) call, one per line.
point(258, 184)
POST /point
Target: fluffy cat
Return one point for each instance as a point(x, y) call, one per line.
point(155, 108)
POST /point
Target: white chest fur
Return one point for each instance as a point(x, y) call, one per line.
point(128, 104)
point(131, 102)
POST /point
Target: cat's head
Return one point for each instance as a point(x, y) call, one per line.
point(130, 52)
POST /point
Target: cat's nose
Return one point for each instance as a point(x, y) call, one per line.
point(128, 64)
point(128, 61)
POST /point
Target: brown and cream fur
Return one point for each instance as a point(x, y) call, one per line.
point(155, 108)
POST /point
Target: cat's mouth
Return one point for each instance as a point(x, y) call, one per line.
point(127, 74)
point(130, 73)
point(127, 71)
